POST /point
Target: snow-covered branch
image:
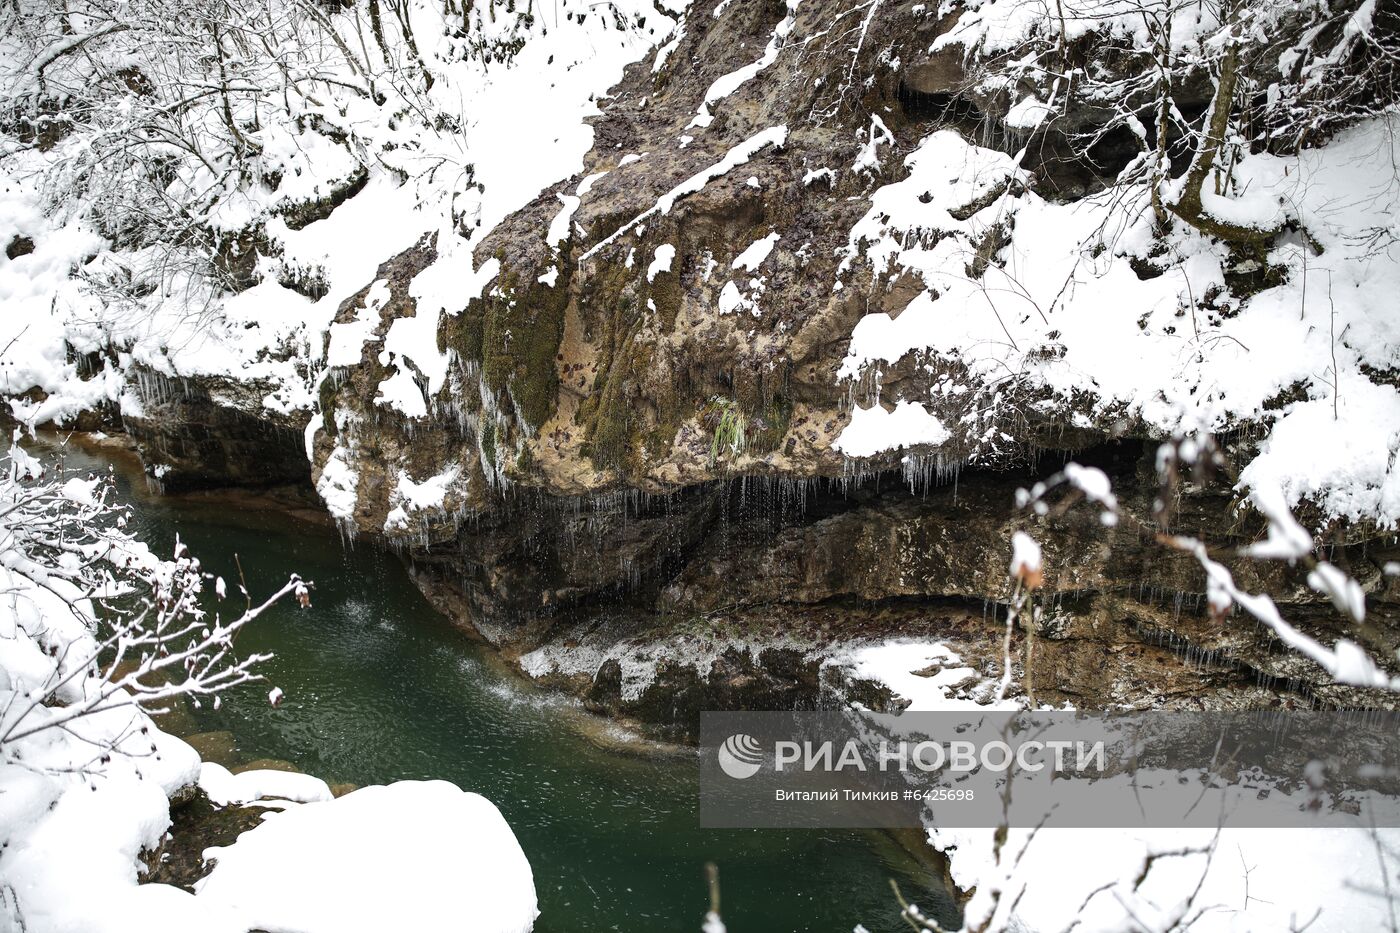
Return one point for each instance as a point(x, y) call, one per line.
point(91, 621)
point(1346, 662)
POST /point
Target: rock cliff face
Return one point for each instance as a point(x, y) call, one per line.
point(204, 433)
point(637, 443)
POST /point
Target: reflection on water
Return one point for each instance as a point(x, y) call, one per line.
point(379, 687)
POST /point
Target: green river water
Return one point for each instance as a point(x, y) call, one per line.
point(380, 687)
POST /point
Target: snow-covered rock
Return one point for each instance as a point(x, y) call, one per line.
point(415, 855)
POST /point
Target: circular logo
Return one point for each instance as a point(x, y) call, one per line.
point(740, 756)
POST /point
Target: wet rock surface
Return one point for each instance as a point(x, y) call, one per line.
point(196, 825)
point(207, 433)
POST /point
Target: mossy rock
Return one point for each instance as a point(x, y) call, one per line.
point(768, 428)
point(327, 396)
point(267, 764)
point(178, 721)
point(488, 443)
point(515, 334)
point(219, 747)
point(665, 293)
point(461, 333)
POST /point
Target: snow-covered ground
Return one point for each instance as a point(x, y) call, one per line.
point(414, 855)
point(1087, 327)
point(1235, 880)
point(422, 179)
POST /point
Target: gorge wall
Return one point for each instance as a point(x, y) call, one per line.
point(669, 442)
point(633, 476)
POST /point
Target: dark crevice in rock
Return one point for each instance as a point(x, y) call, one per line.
point(936, 107)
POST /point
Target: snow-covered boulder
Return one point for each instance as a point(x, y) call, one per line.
point(225, 787)
point(415, 855)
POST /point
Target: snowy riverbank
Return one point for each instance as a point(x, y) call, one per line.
point(88, 781)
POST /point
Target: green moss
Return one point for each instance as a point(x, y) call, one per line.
point(327, 396)
point(770, 426)
point(520, 333)
point(611, 424)
point(665, 292)
point(609, 311)
point(461, 333)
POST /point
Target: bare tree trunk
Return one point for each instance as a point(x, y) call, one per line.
point(401, 13)
point(376, 26)
point(240, 141)
point(1164, 108)
point(1189, 207)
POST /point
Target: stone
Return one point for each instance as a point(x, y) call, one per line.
point(18, 246)
point(219, 747)
point(636, 471)
point(197, 824)
point(266, 764)
point(178, 720)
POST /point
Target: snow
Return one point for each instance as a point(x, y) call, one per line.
point(411, 496)
point(423, 855)
point(560, 228)
point(1055, 310)
point(732, 300)
point(38, 292)
point(661, 260)
point(347, 340)
point(72, 823)
point(868, 159)
point(904, 666)
point(774, 136)
point(663, 52)
point(338, 485)
point(1001, 25)
point(1346, 594)
point(753, 256)
point(1028, 113)
point(873, 430)
point(225, 787)
point(1286, 540)
point(1026, 560)
point(1260, 880)
point(1343, 461)
point(588, 182)
point(589, 647)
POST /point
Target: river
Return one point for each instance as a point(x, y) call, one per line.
point(379, 687)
